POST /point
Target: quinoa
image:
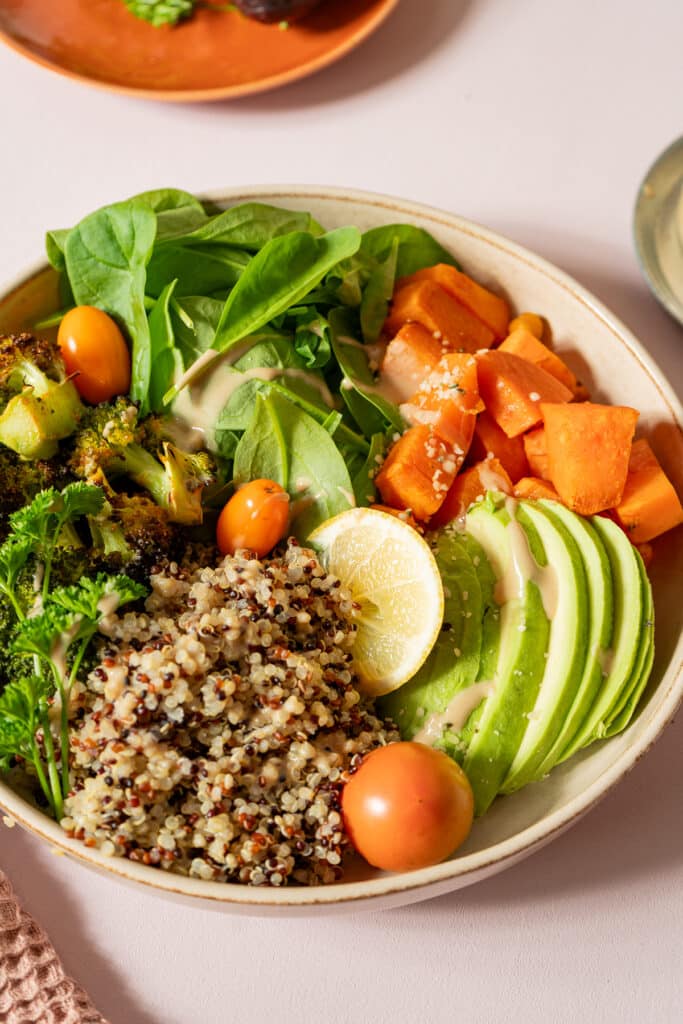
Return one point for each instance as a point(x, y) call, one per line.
point(215, 734)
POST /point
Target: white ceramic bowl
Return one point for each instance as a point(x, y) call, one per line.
point(617, 369)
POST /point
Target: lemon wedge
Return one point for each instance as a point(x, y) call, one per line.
point(392, 575)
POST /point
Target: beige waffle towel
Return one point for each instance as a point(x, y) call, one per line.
point(33, 986)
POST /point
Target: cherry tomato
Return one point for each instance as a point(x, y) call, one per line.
point(256, 518)
point(407, 806)
point(95, 351)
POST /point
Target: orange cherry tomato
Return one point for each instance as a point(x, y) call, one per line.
point(95, 351)
point(256, 518)
point(407, 806)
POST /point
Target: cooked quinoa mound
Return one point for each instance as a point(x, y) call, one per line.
point(215, 734)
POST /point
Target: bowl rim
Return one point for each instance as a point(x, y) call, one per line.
point(645, 212)
point(214, 93)
point(470, 867)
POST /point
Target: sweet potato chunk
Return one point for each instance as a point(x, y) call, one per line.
point(417, 473)
point(534, 489)
point(471, 486)
point(588, 453)
point(428, 304)
point(523, 343)
point(489, 439)
point(448, 402)
point(649, 505)
point(490, 308)
point(536, 451)
point(410, 356)
point(513, 389)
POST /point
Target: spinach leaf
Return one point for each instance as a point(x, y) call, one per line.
point(251, 225)
point(55, 243)
point(199, 270)
point(311, 336)
point(371, 410)
point(106, 257)
point(416, 247)
point(364, 477)
point(195, 319)
point(278, 277)
point(177, 212)
point(166, 358)
point(283, 443)
point(269, 352)
point(374, 305)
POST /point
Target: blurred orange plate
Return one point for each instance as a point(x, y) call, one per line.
point(214, 55)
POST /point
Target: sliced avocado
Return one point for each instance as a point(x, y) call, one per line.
point(620, 660)
point(622, 713)
point(598, 572)
point(453, 665)
point(564, 587)
point(524, 631)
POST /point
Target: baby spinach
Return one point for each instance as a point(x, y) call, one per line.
point(417, 249)
point(199, 270)
point(106, 257)
point(371, 410)
point(374, 305)
point(165, 356)
point(363, 478)
point(251, 225)
point(283, 443)
point(284, 271)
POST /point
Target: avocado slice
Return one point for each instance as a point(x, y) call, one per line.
point(564, 580)
point(453, 664)
point(620, 661)
point(600, 600)
point(622, 713)
point(501, 719)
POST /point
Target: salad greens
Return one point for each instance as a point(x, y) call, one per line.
point(53, 631)
point(257, 321)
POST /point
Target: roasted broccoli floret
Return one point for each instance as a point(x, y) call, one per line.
point(134, 532)
point(111, 444)
point(20, 481)
point(40, 405)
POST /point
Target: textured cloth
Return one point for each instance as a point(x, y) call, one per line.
point(33, 986)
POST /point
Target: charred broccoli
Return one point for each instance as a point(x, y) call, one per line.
point(111, 443)
point(22, 480)
point(40, 405)
point(132, 531)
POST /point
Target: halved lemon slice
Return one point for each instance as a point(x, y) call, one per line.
point(392, 574)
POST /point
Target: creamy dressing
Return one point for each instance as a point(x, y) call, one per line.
point(347, 495)
point(523, 568)
point(492, 481)
point(108, 604)
point(456, 714)
point(60, 647)
point(198, 405)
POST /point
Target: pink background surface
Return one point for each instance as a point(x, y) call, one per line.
point(539, 120)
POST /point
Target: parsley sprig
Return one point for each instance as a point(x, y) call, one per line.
point(55, 632)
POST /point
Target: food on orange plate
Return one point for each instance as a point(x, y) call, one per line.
point(407, 806)
point(254, 519)
point(589, 447)
point(95, 353)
